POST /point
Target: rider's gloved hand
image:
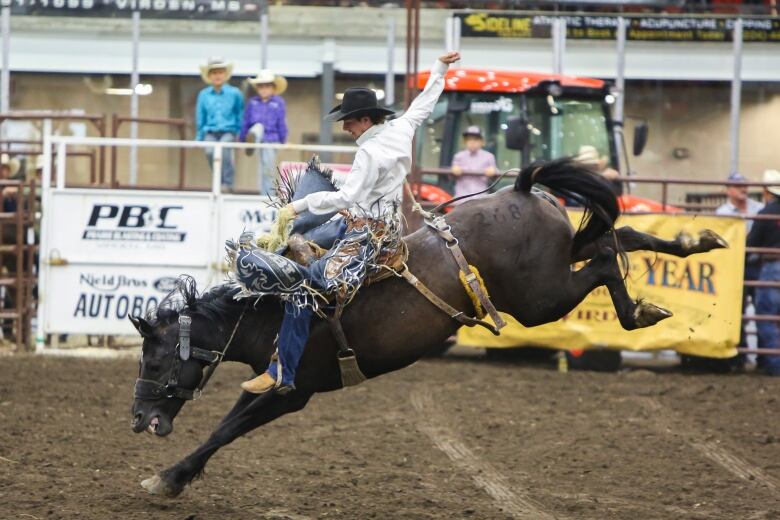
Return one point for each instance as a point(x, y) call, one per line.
point(450, 57)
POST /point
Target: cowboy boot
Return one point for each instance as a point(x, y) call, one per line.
point(301, 250)
point(260, 384)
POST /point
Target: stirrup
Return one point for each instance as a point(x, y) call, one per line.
point(284, 389)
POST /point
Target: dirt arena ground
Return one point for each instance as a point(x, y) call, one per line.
point(446, 438)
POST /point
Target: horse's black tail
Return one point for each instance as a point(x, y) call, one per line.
point(569, 179)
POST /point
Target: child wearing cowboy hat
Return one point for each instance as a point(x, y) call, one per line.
point(218, 113)
point(472, 160)
point(265, 121)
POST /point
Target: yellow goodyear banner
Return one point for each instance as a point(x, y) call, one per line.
point(704, 291)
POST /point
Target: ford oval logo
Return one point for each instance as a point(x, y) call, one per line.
point(165, 284)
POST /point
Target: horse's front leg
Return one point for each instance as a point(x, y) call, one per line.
point(250, 412)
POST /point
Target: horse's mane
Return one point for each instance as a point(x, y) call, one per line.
point(217, 304)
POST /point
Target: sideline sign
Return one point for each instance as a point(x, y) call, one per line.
point(703, 291)
point(488, 24)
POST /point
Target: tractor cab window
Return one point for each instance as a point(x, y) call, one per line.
point(439, 138)
point(490, 113)
point(559, 126)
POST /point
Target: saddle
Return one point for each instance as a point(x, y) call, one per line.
point(304, 252)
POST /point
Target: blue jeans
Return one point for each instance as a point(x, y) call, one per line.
point(292, 339)
point(343, 268)
point(768, 302)
point(296, 322)
point(266, 171)
point(228, 170)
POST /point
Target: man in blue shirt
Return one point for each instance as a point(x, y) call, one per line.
point(218, 114)
point(766, 233)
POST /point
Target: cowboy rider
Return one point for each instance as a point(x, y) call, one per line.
point(376, 180)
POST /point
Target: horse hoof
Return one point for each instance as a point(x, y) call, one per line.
point(157, 486)
point(686, 241)
point(647, 314)
point(709, 240)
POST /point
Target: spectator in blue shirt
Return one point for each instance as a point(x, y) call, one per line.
point(218, 114)
point(265, 122)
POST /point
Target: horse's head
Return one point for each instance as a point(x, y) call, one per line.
point(169, 374)
point(174, 367)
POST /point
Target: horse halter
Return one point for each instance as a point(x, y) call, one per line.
point(149, 389)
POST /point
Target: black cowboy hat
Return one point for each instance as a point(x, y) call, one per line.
point(357, 102)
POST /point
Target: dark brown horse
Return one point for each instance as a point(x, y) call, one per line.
point(522, 244)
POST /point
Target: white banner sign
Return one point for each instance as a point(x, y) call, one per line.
point(110, 254)
point(116, 226)
point(97, 299)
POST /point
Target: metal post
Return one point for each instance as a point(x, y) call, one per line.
point(559, 44)
point(327, 94)
point(61, 165)
point(412, 49)
point(448, 34)
point(620, 87)
point(134, 81)
point(263, 34)
point(456, 28)
point(390, 74)
point(216, 169)
point(43, 269)
point(5, 74)
point(46, 173)
point(736, 96)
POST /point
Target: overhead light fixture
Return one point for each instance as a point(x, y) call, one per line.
point(143, 89)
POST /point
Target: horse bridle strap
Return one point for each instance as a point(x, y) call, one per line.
point(149, 389)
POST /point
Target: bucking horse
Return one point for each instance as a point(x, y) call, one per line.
point(519, 238)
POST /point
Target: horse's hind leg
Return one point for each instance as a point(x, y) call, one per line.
point(257, 410)
point(631, 314)
point(601, 270)
point(629, 239)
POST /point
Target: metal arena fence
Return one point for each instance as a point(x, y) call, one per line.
point(227, 216)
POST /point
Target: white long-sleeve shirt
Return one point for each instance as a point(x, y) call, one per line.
point(382, 162)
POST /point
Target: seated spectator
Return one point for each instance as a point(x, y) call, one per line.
point(766, 233)
point(589, 157)
point(218, 114)
point(265, 122)
point(738, 202)
point(473, 159)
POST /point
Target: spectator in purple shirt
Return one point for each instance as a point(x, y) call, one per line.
point(473, 159)
point(265, 122)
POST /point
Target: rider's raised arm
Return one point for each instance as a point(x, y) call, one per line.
point(423, 104)
point(358, 183)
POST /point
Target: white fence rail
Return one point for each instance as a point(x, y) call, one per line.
point(106, 254)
